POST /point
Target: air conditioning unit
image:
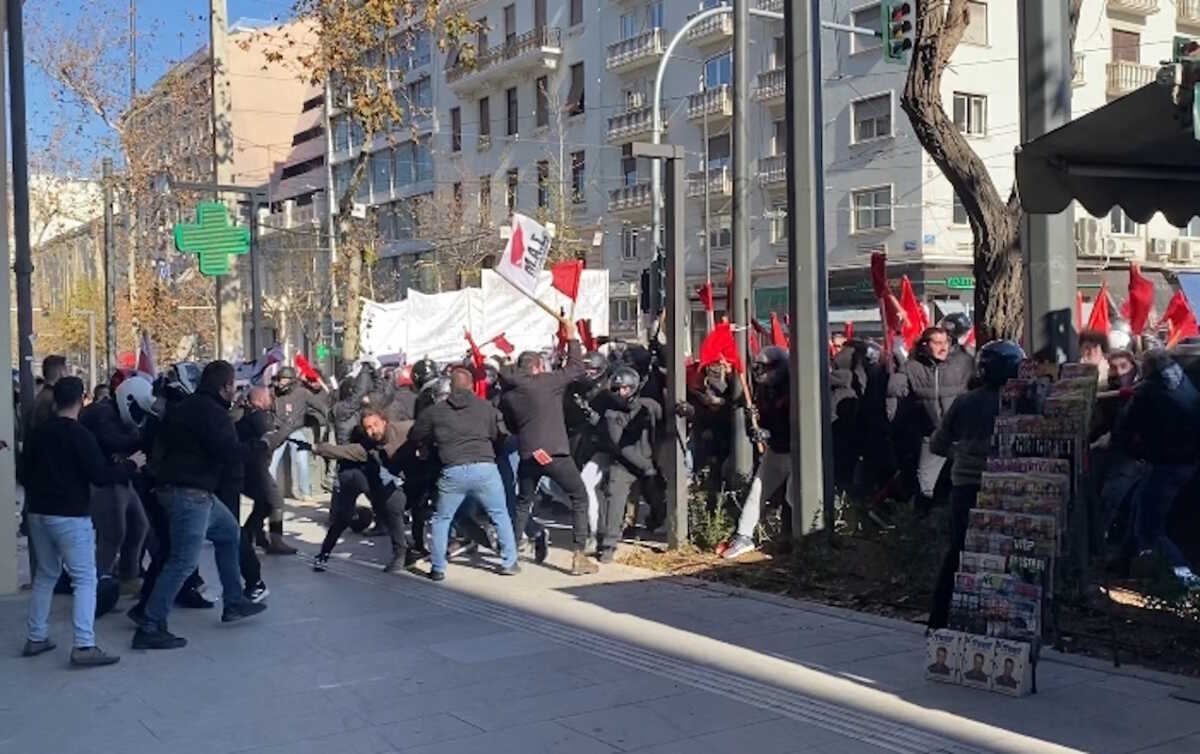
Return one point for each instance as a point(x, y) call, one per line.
point(1087, 237)
point(871, 248)
point(1182, 252)
point(1157, 249)
point(1118, 248)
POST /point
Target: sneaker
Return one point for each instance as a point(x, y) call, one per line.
point(276, 546)
point(608, 554)
point(512, 570)
point(164, 639)
point(582, 565)
point(194, 599)
point(397, 564)
point(593, 545)
point(241, 610)
point(1187, 577)
point(92, 657)
point(257, 592)
point(437, 575)
point(738, 546)
point(320, 562)
point(35, 648)
point(541, 547)
point(137, 614)
point(721, 548)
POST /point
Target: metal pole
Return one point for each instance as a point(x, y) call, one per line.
point(23, 262)
point(255, 279)
point(92, 349)
point(110, 270)
point(132, 49)
point(809, 405)
point(1046, 240)
point(8, 481)
point(677, 312)
point(743, 458)
point(707, 207)
point(331, 219)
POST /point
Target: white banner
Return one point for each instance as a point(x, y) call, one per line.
point(525, 254)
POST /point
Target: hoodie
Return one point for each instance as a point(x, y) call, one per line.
point(463, 428)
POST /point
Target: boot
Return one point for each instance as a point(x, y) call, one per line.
point(398, 563)
point(581, 565)
point(276, 545)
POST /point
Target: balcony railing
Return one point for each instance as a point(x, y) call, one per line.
point(532, 45)
point(1187, 13)
point(775, 6)
point(633, 123)
point(1077, 78)
point(711, 30)
point(715, 102)
point(635, 52)
point(1134, 7)
point(1124, 77)
point(720, 183)
point(772, 171)
point(772, 85)
point(628, 198)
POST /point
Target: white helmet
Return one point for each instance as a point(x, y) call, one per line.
point(135, 397)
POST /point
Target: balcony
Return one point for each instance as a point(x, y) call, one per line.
point(715, 102)
point(1077, 78)
point(632, 123)
point(630, 199)
point(713, 30)
point(636, 52)
point(1187, 13)
point(1133, 7)
point(772, 171)
point(535, 52)
point(774, 6)
point(1124, 77)
point(720, 183)
point(771, 87)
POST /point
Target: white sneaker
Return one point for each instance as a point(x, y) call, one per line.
point(738, 546)
point(1188, 577)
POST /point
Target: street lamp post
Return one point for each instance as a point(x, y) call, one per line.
point(92, 372)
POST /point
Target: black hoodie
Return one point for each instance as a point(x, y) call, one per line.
point(464, 428)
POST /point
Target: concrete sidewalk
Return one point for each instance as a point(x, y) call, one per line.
point(357, 662)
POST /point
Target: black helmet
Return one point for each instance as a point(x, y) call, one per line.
point(998, 362)
point(595, 364)
point(625, 377)
point(770, 366)
point(957, 325)
point(285, 373)
point(423, 371)
point(438, 389)
point(361, 519)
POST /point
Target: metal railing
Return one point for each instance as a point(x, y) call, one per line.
point(645, 46)
point(532, 40)
point(1137, 7)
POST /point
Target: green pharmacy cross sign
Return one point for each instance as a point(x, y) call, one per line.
point(212, 238)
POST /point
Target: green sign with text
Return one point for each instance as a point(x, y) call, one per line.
point(212, 239)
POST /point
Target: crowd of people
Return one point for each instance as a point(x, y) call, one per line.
point(120, 495)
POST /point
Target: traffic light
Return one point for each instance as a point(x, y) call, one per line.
point(896, 18)
point(653, 295)
point(1183, 49)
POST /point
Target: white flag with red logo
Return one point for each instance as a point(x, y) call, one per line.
point(525, 255)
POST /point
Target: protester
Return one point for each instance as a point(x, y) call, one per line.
point(1093, 349)
point(255, 427)
point(199, 456)
point(292, 402)
point(60, 461)
point(54, 368)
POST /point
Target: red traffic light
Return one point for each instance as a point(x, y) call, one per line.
point(900, 11)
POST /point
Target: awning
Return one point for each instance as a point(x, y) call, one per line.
point(840, 315)
point(1135, 152)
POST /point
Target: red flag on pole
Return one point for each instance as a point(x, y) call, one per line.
point(889, 307)
point(306, 368)
point(969, 338)
point(145, 356)
point(501, 343)
point(720, 346)
point(705, 292)
point(915, 318)
point(477, 370)
point(848, 331)
point(1136, 308)
point(566, 276)
point(1180, 319)
point(755, 345)
point(586, 339)
point(778, 338)
point(1098, 320)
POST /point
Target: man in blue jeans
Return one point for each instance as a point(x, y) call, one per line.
point(463, 428)
point(197, 459)
point(61, 459)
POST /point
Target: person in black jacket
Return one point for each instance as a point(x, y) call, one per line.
point(255, 429)
point(463, 429)
point(533, 403)
point(630, 430)
point(196, 457)
point(60, 462)
point(583, 403)
point(292, 400)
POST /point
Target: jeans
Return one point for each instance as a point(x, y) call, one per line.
point(1152, 505)
point(299, 461)
point(194, 515)
point(508, 460)
point(481, 482)
point(63, 541)
point(121, 527)
point(562, 471)
point(774, 471)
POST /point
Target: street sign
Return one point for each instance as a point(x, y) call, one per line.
point(212, 238)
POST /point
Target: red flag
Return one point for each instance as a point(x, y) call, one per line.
point(848, 331)
point(720, 346)
point(890, 307)
point(517, 252)
point(145, 356)
point(306, 369)
point(778, 338)
point(1180, 319)
point(584, 328)
point(566, 277)
point(502, 344)
point(754, 344)
point(969, 338)
point(477, 370)
point(915, 318)
point(1079, 309)
point(706, 296)
point(1136, 308)
point(561, 335)
point(1098, 320)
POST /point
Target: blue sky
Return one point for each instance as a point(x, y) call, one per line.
point(165, 28)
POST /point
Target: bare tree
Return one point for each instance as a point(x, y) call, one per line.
point(995, 220)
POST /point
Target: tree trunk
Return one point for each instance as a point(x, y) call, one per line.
point(350, 307)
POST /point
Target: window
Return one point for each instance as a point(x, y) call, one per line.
point(307, 134)
point(510, 190)
point(622, 312)
point(1193, 228)
point(510, 24)
point(422, 162)
point(576, 12)
point(959, 212)
point(403, 169)
point(872, 208)
point(654, 15)
point(485, 199)
point(420, 94)
point(628, 165)
point(720, 232)
point(1121, 224)
point(420, 49)
point(718, 151)
point(543, 184)
point(629, 26)
point(869, 18)
point(543, 101)
point(481, 35)
point(381, 173)
point(1126, 46)
point(455, 129)
point(718, 70)
point(977, 23)
point(779, 224)
point(485, 122)
point(341, 134)
point(511, 113)
point(577, 169)
point(456, 197)
point(341, 178)
point(629, 242)
point(539, 14)
point(778, 54)
point(970, 113)
point(633, 98)
point(779, 139)
point(575, 96)
point(873, 117)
